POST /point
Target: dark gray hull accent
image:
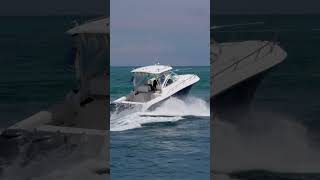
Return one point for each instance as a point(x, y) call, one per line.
point(234, 104)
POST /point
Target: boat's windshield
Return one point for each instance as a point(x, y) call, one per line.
point(142, 78)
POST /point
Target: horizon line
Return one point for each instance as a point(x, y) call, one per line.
point(53, 15)
point(163, 64)
point(255, 14)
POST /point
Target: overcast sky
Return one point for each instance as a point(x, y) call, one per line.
point(174, 32)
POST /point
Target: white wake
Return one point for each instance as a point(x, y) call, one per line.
point(81, 161)
point(275, 142)
point(177, 108)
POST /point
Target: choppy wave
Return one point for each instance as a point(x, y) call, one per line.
point(83, 158)
point(177, 108)
point(273, 142)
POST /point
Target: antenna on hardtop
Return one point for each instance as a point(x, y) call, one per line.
point(158, 61)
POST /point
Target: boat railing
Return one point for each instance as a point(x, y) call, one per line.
point(255, 53)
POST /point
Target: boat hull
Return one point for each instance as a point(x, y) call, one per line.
point(120, 107)
point(234, 104)
point(183, 93)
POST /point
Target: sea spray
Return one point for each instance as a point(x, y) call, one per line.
point(58, 157)
point(273, 142)
point(177, 108)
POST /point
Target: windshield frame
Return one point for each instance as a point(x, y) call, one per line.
point(142, 78)
point(170, 75)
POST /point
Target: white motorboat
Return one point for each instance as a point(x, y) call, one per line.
point(237, 68)
point(154, 84)
point(91, 58)
point(80, 119)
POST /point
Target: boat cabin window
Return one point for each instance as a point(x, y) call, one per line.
point(170, 81)
point(145, 79)
point(154, 81)
point(140, 79)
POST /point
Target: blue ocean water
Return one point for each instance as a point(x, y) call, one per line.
point(34, 70)
point(161, 148)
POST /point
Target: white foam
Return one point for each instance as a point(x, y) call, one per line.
point(82, 162)
point(191, 106)
point(275, 143)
